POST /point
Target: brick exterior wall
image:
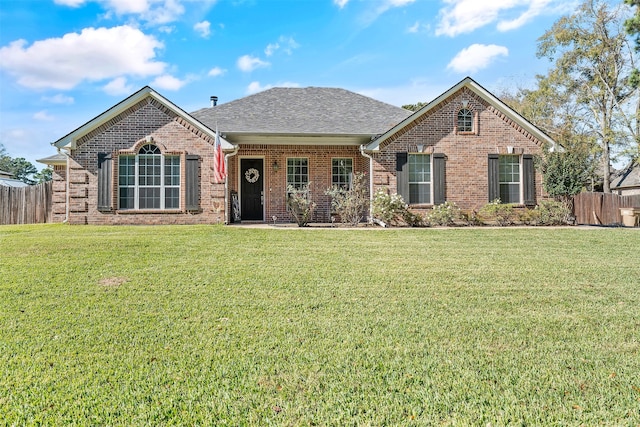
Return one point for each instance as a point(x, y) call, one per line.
point(466, 171)
point(275, 183)
point(125, 134)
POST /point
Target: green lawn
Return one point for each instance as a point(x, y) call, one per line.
point(212, 325)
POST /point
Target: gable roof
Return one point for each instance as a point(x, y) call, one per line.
point(68, 141)
point(491, 99)
point(56, 159)
point(629, 177)
point(307, 111)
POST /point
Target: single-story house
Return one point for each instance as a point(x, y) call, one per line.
point(627, 182)
point(146, 161)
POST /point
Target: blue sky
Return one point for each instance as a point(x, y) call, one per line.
point(63, 62)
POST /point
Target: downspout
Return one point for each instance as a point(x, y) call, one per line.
point(226, 183)
point(362, 148)
point(67, 186)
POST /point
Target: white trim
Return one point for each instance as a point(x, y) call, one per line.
point(470, 84)
point(69, 141)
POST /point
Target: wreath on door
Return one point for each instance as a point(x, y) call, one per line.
point(252, 175)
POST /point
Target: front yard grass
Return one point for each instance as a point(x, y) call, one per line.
point(212, 325)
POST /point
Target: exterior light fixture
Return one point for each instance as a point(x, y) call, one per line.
point(275, 166)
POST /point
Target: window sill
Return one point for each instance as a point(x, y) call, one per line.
point(467, 133)
point(421, 205)
point(147, 211)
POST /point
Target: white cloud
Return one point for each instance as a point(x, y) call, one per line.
point(43, 116)
point(476, 57)
point(381, 7)
point(216, 72)
point(203, 28)
point(168, 82)
point(70, 3)
point(118, 86)
point(284, 43)
point(340, 3)
point(536, 8)
point(414, 28)
point(249, 63)
point(93, 55)
point(59, 99)
point(153, 11)
point(271, 47)
point(465, 16)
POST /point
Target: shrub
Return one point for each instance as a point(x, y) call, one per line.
point(529, 216)
point(392, 210)
point(444, 214)
point(388, 208)
point(552, 212)
point(300, 205)
point(352, 204)
point(495, 211)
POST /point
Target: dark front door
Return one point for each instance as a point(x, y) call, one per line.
point(251, 189)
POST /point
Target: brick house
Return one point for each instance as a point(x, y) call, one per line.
point(146, 161)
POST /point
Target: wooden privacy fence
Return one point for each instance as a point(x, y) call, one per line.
point(602, 208)
point(26, 205)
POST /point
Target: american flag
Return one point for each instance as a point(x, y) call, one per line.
point(219, 167)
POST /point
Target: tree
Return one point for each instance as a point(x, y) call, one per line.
point(19, 167)
point(414, 107)
point(632, 26)
point(593, 63)
point(44, 175)
point(565, 172)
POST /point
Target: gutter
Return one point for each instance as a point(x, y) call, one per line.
point(226, 183)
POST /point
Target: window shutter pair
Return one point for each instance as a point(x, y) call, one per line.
point(437, 176)
point(105, 182)
point(528, 179)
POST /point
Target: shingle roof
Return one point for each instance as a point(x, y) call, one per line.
point(629, 177)
point(311, 110)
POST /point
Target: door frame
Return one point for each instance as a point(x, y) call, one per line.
point(264, 182)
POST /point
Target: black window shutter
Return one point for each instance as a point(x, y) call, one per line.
point(528, 175)
point(192, 178)
point(402, 175)
point(104, 181)
point(438, 179)
point(494, 177)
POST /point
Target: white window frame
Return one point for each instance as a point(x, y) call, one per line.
point(163, 186)
point(429, 182)
point(297, 185)
point(502, 182)
point(470, 118)
point(349, 176)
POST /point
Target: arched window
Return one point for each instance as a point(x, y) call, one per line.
point(149, 180)
point(465, 120)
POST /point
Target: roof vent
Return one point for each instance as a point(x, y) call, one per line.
point(214, 101)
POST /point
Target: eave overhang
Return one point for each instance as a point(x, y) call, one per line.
point(68, 142)
point(468, 82)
